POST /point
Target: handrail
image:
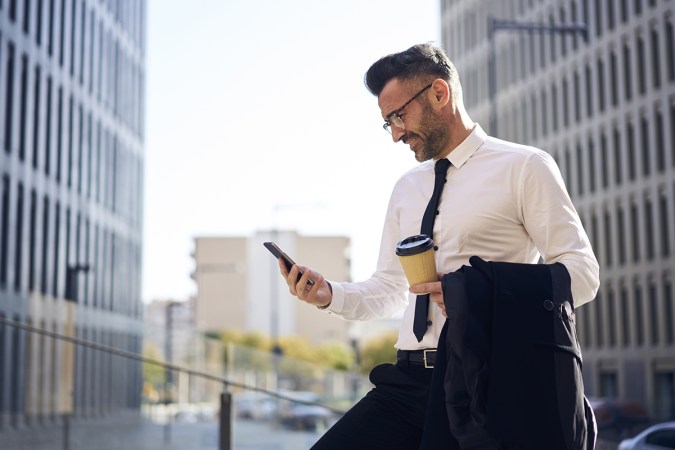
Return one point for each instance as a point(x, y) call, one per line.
point(164, 364)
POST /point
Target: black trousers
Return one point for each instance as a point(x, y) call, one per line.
point(390, 417)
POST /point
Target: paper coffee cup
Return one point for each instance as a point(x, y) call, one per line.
point(416, 254)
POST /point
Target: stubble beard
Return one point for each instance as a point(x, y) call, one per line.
point(436, 136)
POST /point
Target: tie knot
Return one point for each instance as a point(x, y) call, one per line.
point(442, 166)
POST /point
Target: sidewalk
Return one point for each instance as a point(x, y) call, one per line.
point(134, 432)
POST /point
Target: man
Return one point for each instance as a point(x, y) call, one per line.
point(501, 201)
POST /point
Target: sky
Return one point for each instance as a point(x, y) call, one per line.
point(257, 118)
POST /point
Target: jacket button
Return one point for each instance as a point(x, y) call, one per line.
point(548, 305)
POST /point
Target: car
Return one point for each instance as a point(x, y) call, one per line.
point(657, 437)
point(618, 419)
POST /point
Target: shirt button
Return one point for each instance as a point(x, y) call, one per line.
point(435, 248)
point(429, 322)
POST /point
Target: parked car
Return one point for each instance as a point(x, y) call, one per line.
point(619, 419)
point(304, 416)
point(657, 437)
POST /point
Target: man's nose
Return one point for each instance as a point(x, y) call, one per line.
point(397, 133)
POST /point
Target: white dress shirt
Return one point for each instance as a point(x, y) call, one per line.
point(502, 202)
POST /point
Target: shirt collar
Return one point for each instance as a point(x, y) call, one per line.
point(460, 154)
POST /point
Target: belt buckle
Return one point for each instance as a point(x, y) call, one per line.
point(426, 365)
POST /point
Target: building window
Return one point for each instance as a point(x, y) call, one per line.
point(625, 316)
point(565, 98)
point(611, 318)
point(621, 235)
point(653, 313)
point(4, 232)
point(670, 50)
point(48, 126)
point(32, 250)
point(645, 147)
point(608, 239)
point(554, 106)
point(589, 91)
point(624, 10)
point(638, 7)
point(642, 82)
point(9, 98)
point(45, 244)
point(591, 164)
point(601, 85)
point(668, 311)
point(59, 133)
point(639, 326)
point(660, 141)
point(649, 228)
point(634, 225)
point(665, 226)
point(630, 147)
point(36, 118)
point(18, 250)
point(618, 156)
point(57, 244)
point(609, 386)
point(627, 72)
point(613, 84)
point(656, 66)
point(23, 106)
point(600, 321)
point(664, 384)
point(580, 170)
point(577, 97)
point(604, 161)
point(610, 14)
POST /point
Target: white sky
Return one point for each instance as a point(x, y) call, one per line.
point(257, 116)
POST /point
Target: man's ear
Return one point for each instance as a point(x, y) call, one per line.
point(441, 92)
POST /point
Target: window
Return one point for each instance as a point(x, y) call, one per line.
point(57, 242)
point(611, 320)
point(50, 36)
point(608, 239)
point(630, 147)
point(23, 100)
point(18, 238)
point(36, 119)
point(601, 85)
point(580, 170)
point(62, 29)
point(624, 10)
point(613, 84)
point(9, 98)
point(668, 310)
point(639, 326)
point(670, 50)
point(653, 313)
point(610, 14)
point(635, 231)
point(577, 99)
point(589, 91)
point(665, 226)
point(662, 438)
point(628, 91)
point(625, 316)
point(4, 231)
point(565, 97)
point(649, 228)
point(656, 66)
point(48, 127)
point(642, 82)
point(600, 322)
point(554, 107)
point(609, 386)
point(621, 234)
point(32, 250)
point(660, 144)
point(618, 156)
point(45, 245)
point(59, 133)
point(591, 164)
point(645, 147)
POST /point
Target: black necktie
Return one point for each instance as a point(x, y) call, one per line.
point(422, 303)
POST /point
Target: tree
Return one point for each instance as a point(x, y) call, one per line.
point(378, 351)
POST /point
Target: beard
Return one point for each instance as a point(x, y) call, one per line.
point(435, 130)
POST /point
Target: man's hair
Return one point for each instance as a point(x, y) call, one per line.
point(421, 61)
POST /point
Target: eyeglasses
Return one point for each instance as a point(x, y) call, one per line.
point(395, 118)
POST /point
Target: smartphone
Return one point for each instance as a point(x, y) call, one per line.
point(279, 253)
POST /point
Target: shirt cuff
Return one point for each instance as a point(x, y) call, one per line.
point(337, 304)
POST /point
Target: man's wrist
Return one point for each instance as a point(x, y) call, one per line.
point(330, 288)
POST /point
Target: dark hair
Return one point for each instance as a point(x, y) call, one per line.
point(419, 61)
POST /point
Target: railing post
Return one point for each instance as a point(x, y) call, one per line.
point(225, 422)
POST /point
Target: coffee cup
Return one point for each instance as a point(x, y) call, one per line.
point(416, 254)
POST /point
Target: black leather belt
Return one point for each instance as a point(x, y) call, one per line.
point(424, 358)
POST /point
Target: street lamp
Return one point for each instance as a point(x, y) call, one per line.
point(495, 25)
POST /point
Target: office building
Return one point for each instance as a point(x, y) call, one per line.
point(603, 104)
point(239, 286)
point(71, 169)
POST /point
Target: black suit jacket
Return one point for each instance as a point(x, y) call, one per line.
point(508, 367)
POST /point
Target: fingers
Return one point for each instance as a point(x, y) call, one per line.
point(427, 288)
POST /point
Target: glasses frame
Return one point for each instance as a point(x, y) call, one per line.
point(395, 117)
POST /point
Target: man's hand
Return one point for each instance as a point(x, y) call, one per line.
point(435, 290)
point(318, 294)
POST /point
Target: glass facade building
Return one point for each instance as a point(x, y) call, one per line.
point(72, 82)
point(603, 104)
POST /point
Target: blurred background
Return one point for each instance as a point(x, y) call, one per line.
point(150, 147)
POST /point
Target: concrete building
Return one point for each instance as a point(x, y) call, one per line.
point(603, 105)
point(71, 168)
point(239, 286)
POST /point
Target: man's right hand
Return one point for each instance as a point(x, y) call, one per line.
point(319, 294)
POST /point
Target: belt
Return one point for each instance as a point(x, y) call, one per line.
point(425, 358)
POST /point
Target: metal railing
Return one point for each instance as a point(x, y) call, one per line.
point(226, 405)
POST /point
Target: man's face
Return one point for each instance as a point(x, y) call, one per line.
point(423, 129)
